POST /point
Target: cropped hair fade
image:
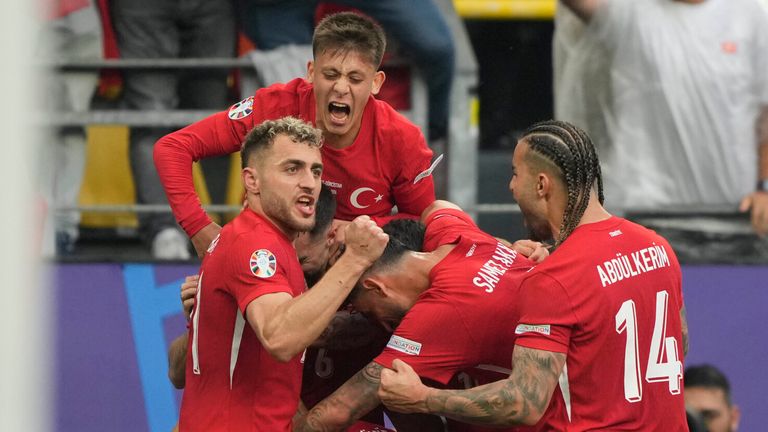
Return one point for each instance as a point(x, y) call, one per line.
point(263, 136)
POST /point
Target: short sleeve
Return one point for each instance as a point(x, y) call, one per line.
point(256, 268)
point(414, 188)
point(445, 226)
point(432, 339)
point(546, 315)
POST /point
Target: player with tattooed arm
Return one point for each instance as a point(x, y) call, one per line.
point(605, 310)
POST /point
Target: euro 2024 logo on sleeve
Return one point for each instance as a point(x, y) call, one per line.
point(263, 263)
point(242, 109)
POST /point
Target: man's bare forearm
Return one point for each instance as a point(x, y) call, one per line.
point(346, 405)
point(177, 361)
point(287, 328)
point(762, 141)
point(520, 399)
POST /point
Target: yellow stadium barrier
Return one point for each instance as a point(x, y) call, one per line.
point(505, 9)
point(108, 180)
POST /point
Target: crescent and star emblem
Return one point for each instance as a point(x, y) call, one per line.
point(356, 194)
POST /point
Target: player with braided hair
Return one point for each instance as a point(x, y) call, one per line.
point(566, 146)
point(603, 315)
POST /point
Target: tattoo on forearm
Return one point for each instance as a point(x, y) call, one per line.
point(512, 401)
point(347, 404)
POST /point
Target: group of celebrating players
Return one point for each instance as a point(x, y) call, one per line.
point(318, 303)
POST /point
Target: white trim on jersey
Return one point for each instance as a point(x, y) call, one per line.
point(237, 337)
point(565, 387)
point(195, 325)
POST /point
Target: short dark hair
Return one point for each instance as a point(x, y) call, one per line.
point(570, 151)
point(394, 250)
point(410, 232)
point(324, 211)
point(706, 375)
point(263, 136)
point(350, 32)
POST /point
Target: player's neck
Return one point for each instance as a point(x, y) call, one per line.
point(339, 142)
point(254, 205)
point(419, 265)
point(594, 212)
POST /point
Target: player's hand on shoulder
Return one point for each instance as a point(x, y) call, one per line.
point(188, 293)
point(533, 250)
point(364, 239)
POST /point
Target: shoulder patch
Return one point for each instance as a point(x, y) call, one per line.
point(404, 345)
point(263, 263)
point(533, 328)
point(242, 109)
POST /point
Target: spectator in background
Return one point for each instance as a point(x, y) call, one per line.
point(581, 81)
point(688, 119)
point(418, 26)
point(160, 29)
point(708, 393)
point(72, 30)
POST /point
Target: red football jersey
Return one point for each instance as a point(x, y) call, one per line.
point(466, 319)
point(232, 383)
point(387, 165)
point(610, 297)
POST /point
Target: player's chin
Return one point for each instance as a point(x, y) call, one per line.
point(303, 223)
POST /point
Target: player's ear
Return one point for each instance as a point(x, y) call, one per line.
point(376, 285)
point(330, 237)
point(735, 417)
point(250, 180)
point(378, 81)
point(543, 184)
point(310, 70)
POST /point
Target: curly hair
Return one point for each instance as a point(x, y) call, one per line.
point(263, 136)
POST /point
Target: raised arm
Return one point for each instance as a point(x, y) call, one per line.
point(286, 325)
point(584, 9)
point(174, 153)
point(520, 399)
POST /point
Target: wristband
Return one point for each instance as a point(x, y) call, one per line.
point(762, 185)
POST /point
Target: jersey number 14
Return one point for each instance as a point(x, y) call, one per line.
point(658, 370)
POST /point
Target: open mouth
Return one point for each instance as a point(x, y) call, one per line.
point(306, 205)
point(339, 111)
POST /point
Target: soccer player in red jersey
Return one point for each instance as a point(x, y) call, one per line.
point(373, 157)
point(252, 318)
point(449, 309)
point(605, 309)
